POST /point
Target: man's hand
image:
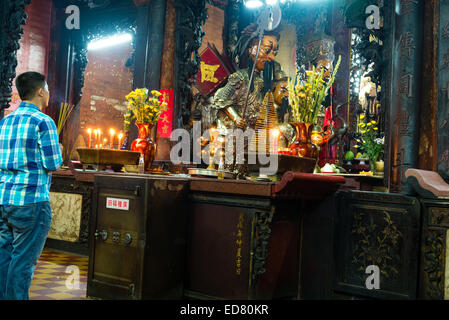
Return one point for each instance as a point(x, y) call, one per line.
point(240, 123)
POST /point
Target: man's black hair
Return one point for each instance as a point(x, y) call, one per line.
point(28, 83)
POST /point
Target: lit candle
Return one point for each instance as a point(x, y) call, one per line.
point(105, 142)
point(96, 138)
point(111, 142)
point(99, 136)
point(120, 136)
point(275, 133)
point(89, 131)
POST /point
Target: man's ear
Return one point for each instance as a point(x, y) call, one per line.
point(40, 92)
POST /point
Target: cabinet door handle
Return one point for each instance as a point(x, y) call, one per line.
point(137, 191)
point(102, 233)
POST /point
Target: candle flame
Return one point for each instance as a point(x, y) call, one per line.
point(120, 135)
point(112, 131)
point(89, 131)
point(275, 132)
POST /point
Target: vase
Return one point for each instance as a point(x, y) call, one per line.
point(379, 167)
point(303, 146)
point(144, 144)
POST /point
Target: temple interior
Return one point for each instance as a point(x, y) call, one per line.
point(240, 149)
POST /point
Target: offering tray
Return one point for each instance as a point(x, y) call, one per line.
point(101, 158)
point(197, 172)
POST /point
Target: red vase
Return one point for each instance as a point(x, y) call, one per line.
point(303, 146)
point(144, 144)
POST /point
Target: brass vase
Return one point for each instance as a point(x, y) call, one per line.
point(303, 146)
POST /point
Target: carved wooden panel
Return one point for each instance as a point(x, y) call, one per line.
point(69, 185)
point(434, 274)
point(66, 220)
point(12, 17)
point(377, 229)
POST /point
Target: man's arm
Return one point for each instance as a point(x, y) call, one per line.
point(48, 142)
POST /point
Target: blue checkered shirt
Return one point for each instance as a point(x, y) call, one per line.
point(29, 150)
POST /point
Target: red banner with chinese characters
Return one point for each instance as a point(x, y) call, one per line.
point(165, 122)
point(212, 72)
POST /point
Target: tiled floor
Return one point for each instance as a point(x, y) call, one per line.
point(54, 274)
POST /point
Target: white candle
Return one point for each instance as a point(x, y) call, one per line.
point(119, 140)
point(89, 143)
point(111, 142)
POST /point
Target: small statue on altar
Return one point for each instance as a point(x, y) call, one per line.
point(280, 94)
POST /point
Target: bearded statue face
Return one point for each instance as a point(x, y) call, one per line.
point(325, 65)
point(268, 51)
point(280, 92)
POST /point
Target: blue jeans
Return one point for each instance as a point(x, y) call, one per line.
point(23, 231)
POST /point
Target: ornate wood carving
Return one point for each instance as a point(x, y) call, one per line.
point(232, 26)
point(382, 230)
point(69, 185)
point(191, 16)
point(375, 243)
point(13, 16)
point(259, 251)
point(433, 255)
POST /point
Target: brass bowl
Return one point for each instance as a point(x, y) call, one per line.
point(132, 168)
point(108, 156)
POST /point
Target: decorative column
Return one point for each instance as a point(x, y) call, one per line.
point(406, 92)
point(442, 63)
point(191, 15)
point(12, 17)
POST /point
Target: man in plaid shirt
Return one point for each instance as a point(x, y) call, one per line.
point(29, 151)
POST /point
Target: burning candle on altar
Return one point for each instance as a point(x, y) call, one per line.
point(105, 142)
point(99, 136)
point(89, 131)
point(120, 136)
point(96, 138)
point(111, 134)
point(275, 134)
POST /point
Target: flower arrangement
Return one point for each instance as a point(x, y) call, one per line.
point(308, 94)
point(370, 142)
point(144, 107)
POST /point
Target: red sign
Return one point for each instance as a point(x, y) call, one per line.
point(165, 122)
point(118, 204)
point(212, 72)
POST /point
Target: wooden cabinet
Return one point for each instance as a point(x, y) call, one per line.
point(137, 237)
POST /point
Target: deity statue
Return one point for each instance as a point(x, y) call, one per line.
point(229, 102)
point(320, 54)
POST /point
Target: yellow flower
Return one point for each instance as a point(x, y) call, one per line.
point(363, 131)
point(356, 146)
point(373, 122)
point(357, 140)
point(376, 128)
point(362, 125)
point(156, 93)
point(369, 124)
point(362, 117)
